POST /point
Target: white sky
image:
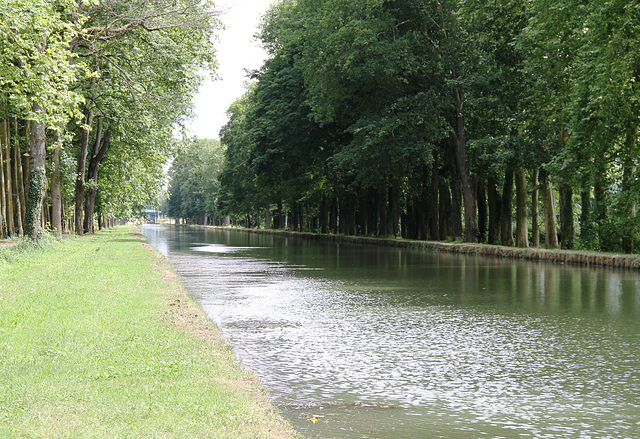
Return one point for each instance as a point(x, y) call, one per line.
point(236, 51)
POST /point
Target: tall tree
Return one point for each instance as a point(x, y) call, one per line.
point(36, 74)
point(146, 59)
point(37, 179)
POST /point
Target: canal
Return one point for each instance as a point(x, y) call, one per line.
point(357, 341)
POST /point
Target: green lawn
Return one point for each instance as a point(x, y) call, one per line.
point(98, 339)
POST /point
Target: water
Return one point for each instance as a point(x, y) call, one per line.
point(373, 342)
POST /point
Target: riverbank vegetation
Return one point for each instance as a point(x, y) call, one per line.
point(507, 122)
point(99, 339)
point(91, 95)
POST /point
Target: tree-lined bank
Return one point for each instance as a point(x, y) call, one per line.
point(558, 256)
point(91, 93)
point(510, 122)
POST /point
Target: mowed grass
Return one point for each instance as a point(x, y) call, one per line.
point(99, 340)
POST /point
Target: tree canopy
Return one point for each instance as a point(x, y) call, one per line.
point(103, 84)
point(419, 118)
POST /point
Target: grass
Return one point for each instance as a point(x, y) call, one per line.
point(98, 339)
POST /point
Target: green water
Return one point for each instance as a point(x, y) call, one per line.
point(375, 342)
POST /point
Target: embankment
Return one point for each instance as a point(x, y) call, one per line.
point(583, 258)
point(99, 339)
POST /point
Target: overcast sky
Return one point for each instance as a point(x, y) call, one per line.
point(237, 51)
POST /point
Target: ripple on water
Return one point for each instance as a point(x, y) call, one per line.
point(371, 354)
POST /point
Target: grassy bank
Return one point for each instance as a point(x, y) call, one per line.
point(99, 340)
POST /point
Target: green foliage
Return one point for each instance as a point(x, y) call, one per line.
point(193, 190)
point(287, 145)
point(238, 194)
point(36, 63)
point(380, 102)
point(146, 73)
point(131, 66)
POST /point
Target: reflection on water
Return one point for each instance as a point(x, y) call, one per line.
point(361, 341)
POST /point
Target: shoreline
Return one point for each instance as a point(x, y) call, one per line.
point(101, 339)
point(185, 313)
point(568, 257)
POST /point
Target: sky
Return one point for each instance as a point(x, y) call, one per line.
point(236, 51)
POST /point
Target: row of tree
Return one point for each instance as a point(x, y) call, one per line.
point(194, 187)
point(436, 119)
point(91, 93)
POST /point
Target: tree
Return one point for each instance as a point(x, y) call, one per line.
point(156, 51)
point(193, 191)
point(604, 113)
point(552, 38)
point(394, 117)
point(287, 145)
point(132, 67)
point(365, 76)
point(239, 194)
point(36, 74)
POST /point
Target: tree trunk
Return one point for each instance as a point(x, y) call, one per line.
point(295, 215)
point(522, 224)
point(17, 213)
point(506, 230)
point(280, 215)
point(493, 199)
point(470, 214)
point(37, 178)
point(301, 216)
point(434, 210)
point(101, 146)
point(599, 190)
point(19, 181)
point(333, 215)
point(363, 212)
point(550, 226)
point(422, 216)
point(382, 210)
point(567, 229)
point(535, 227)
point(3, 196)
point(410, 218)
point(82, 165)
point(396, 209)
point(456, 211)
point(267, 216)
point(628, 174)
point(586, 225)
point(444, 211)
point(342, 215)
point(8, 177)
point(324, 215)
point(351, 213)
point(56, 194)
point(482, 209)
point(26, 164)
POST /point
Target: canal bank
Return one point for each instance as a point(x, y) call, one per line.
point(578, 258)
point(360, 341)
point(98, 338)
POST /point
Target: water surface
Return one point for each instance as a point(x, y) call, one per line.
point(360, 341)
